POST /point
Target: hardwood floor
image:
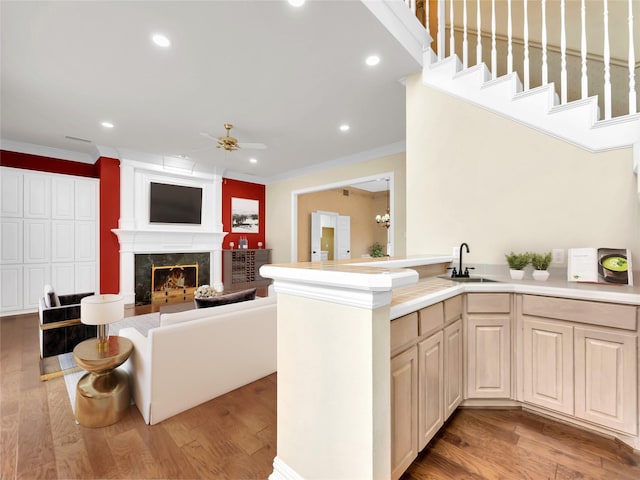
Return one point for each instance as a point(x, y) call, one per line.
point(234, 436)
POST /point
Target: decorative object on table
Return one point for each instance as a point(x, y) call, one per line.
point(205, 291)
point(218, 299)
point(517, 263)
point(540, 263)
point(376, 250)
point(600, 265)
point(102, 395)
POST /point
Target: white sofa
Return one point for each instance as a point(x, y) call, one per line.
point(200, 354)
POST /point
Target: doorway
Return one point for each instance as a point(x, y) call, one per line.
point(378, 188)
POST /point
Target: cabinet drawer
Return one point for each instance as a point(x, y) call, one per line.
point(404, 330)
point(582, 311)
point(488, 302)
point(452, 308)
point(431, 318)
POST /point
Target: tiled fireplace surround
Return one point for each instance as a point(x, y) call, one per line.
point(138, 236)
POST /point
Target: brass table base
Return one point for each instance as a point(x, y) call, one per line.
point(102, 399)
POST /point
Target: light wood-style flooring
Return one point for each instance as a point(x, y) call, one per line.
point(234, 436)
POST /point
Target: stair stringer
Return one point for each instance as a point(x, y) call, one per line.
point(574, 122)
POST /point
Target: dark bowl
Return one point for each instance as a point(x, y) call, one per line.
point(613, 276)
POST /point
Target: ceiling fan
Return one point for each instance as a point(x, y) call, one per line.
point(230, 143)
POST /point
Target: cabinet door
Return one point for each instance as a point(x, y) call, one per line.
point(62, 198)
point(10, 288)
point(489, 357)
point(606, 378)
point(85, 241)
point(11, 240)
point(548, 364)
point(62, 241)
point(36, 276)
point(37, 196)
point(452, 367)
point(430, 387)
point(85, 200)
point(37, 241)
point(11, 192)
point(404, 411)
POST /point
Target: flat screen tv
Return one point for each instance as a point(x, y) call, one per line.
point(175, 204)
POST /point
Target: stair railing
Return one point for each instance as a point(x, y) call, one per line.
point(570, 88)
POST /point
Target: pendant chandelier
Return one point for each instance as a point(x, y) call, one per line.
point(385, 220)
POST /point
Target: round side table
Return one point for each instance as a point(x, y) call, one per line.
point(102, 395)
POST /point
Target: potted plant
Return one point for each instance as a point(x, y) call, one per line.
point(376, 250)
point(517, 262)
point(541, 262)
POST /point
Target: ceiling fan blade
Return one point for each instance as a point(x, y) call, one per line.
point(204, 134)
point(252, 146)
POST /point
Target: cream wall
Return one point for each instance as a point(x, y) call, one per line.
point(477, 177)
point(279, 200)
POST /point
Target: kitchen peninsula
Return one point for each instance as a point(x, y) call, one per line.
point(337, 407)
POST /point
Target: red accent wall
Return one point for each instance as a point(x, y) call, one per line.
point(239, 189)
point(109, 171)
point(46, 164)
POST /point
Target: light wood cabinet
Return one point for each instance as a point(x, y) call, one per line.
point(404, 411)
point(453, 372)
point(433, 337)
point(548, 364)
point(430, 387)
point(605, 378)
point(488, 345)
point(573, 366)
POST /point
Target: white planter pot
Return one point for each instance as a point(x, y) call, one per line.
point(516, 274)
point(541, 275)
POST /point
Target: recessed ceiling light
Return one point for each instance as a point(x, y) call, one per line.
point(372, 60)
point(344, 127)
point(161, 40)
point(296, 3)
point(253, 160)
point(107, 124)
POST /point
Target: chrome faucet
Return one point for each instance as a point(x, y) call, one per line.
point(461, 273)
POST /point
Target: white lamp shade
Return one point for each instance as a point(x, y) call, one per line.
point(101, 309)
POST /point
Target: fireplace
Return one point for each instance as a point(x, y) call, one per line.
point(171, 277)
point(140, 238)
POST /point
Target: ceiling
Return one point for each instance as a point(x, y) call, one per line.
point(283, 76)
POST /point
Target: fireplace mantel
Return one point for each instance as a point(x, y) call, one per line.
point(166, 241)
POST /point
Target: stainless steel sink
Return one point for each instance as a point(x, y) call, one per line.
point(469, 279)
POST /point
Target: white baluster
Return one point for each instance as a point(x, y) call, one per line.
point(545, 70)
point(632, 61)
point(441, 35)
point(526, 47)
point(494, 53)
point(583, 50)
point(509, 42)
point(607, 67)
point(479, 27)
point(452, 41)
point(563, 55)
point(426, 16)
point(465, 44)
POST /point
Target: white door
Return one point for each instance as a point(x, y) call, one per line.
point(316, 234)
point(343, 245)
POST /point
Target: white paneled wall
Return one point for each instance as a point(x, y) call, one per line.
point(48, 234)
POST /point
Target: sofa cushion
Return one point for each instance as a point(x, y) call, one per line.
point(179, 317)
point(50, 297)
point(226, 298)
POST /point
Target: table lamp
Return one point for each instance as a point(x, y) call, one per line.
point(102, 310)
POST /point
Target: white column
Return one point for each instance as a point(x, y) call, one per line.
point(509, 39)
point(479, 28)
point(545, 69)
point(526, 46)
point(465, 43)
point(441, 35)
point(334, 405)
point(632, 65)
point(583, 51)
point(452, 41)
point(216, 268)
point(127, 199)
point(563, 55)
point(494, 52)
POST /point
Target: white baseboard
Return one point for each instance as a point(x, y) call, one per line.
point(282, 471)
